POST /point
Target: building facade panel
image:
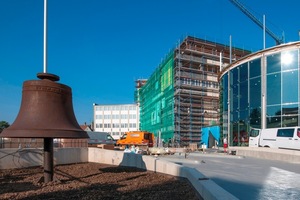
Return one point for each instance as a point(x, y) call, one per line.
point(116, 119)
point(260, 91)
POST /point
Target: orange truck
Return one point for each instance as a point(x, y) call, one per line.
point(136, 138)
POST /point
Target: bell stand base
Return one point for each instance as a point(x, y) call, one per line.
point(48, 160)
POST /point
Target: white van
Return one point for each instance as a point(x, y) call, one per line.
point(285, 138)
point(99, 138)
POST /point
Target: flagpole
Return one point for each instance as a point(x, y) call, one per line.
point(45, 36)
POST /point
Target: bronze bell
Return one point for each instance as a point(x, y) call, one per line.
point(46, 111)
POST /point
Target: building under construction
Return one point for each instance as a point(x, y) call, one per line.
point(182, 95)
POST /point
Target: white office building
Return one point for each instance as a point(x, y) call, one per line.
point(116, 119)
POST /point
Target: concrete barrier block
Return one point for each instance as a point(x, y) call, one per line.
point(19, 158)
point(116, 157)
point(166, 167)
point(29, 157)
point(95, 155)
point(150, 163)
point(104, 156)
point(129, 159)
point(70, 155)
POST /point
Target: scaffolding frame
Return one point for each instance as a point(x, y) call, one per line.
point(182, 94)
point(196, 88)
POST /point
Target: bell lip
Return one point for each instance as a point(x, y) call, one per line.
point(19, 133)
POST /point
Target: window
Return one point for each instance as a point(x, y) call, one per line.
point(108, 137)
point(289, 80)
point(99, 126)
point(298, 132)
point(123, 116)
point(254, 67)
point(274, 89)
point(132, 125)
point(273, 63)
point(285, 132)
point(132, 108)
point(189, 81)
point(243, 72)
point(254, 133)
point(106, 125)
point(132, 116)
point(289, 60)
point(146, 136)
point(243, 95)
point(255, 93)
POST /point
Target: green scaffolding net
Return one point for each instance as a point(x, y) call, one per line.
point(157, 101)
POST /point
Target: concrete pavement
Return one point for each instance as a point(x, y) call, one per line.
point(246, 177)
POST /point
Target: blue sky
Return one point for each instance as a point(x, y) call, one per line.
point(100, 47)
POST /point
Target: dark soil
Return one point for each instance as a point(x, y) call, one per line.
point(93, 181)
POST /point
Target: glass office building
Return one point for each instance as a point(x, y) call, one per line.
point(260, 90)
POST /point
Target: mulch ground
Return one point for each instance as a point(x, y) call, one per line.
point(93, 181)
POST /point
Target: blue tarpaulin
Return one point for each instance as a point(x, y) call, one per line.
point(208, 132)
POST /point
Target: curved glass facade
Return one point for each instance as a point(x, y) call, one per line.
point(260, 91)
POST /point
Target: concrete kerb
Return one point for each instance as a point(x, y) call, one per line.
point(285, 155)
point(215, 154)
point(205, 187)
